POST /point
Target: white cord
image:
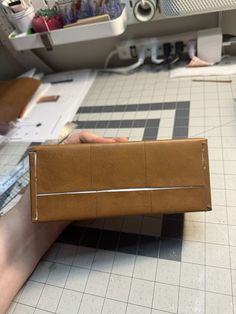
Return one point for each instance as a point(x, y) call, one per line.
point(220, 19)
point(229, 43)
point(192, 48)
point(125, 70)
point(108, 59)
point(154, 56)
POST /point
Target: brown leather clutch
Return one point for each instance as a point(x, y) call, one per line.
point(83, 181)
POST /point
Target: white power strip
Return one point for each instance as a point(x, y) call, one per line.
point(128, 49)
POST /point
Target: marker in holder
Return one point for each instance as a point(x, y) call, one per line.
point(22, 20)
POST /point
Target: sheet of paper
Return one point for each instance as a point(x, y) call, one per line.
point(13, 164)
point(43, 88)
point(226, 67)
point(44, 121)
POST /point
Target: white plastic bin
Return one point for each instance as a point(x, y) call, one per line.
point(72, 34)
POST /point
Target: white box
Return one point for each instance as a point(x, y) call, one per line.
point(209, 45)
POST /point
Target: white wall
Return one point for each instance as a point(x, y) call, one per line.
point(9, 67)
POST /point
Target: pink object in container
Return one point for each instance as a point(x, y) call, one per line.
point(46, 20)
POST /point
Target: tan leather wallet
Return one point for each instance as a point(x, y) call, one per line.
point(83, 181)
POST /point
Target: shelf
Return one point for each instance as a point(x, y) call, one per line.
point(70, 35)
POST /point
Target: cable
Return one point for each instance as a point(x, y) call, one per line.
point(167, 48)
point(179, 48)
point(154, 54)
point(108, 59)
point(220, 19)
point(192, 48)
point(229, 40)
point(125, 70)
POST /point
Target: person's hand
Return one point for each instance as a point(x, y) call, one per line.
point(89, 137)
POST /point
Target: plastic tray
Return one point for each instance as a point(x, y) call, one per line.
point(70, 35)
